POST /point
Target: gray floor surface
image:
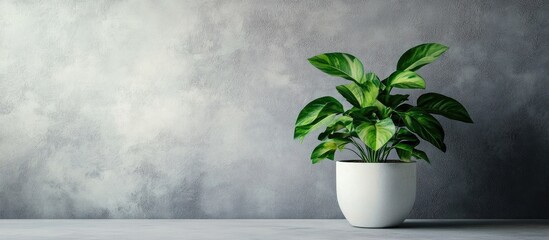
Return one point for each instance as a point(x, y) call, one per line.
point(269, 229)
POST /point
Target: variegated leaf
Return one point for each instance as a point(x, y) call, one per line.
point(315, 114)
point(353, 93)
point(444, 106)
point(377, 134)
point(425, 126)
point(327, 149)
point(340, 65)
point(406, 79)
point(420, 55)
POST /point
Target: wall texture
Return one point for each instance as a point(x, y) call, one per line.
point(184, 109)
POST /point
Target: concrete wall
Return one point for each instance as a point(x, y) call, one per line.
point(185, 109)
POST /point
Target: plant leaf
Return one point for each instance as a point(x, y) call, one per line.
point(406, 79)
point(362, 114)
point(301, 131)
point(314, 114)
point(404, 107)
point(420, 55)
point(318, 108)
point(336, 125)
point(445, 106)
point(405, 156)
point(383, 111)
point(403, 135)
point(425, 126)
point(377, 134)
point(418, 154)
point(353, 93)
point(404, 151)
point(371, 88)
point(340, 65)
point(327, 149)
point(373, 78)
point(404, 146)
point(393, 101)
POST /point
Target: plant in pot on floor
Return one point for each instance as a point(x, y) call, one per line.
point(374, 191)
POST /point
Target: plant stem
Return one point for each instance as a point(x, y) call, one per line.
point(372, 155)
point(381, 159)
point(354, 152)
point(384, 155)
point(369, 153)
point(388, 151)
point(364, 157)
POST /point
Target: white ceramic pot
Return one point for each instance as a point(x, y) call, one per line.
point(375, 195)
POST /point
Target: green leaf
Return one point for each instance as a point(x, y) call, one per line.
point(315, 114)
point(377, 134)
point(425, 126)
point(404, 107)
point(327, 149)
point(371, 88)
point(373, 78)
point(420, 55)
point(353, 93)
point(418, 154)
point(405, 79)
point(362, 114)
point(318, 108)
point(340, 65)
point(405, 147)
point(343, 122)
point(445, 106)
point(403, 135)
point(301, 131)
point(383, 111)
point(404, 151)
point(393, 101)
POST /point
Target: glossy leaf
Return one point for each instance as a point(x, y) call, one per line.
point(327, 149)
point(404, 107)
point(373, 78)
point(377, 134)
point(403, 155)
point(315, 114)
point(383, 111)
point(318, 108)
point(393, 101)
point(420, 55)
point(353, 93)
point(362, 114)
point(336, 125)
point(403, 135)
point(301, 131)
point(405, 146)
point(425, 126)
point(371, 88)
point(404, 151)
point(406, 79)
point(418, 154)
point(445, 106)
point(340, 65)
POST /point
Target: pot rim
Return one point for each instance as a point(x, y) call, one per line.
point(393, 161)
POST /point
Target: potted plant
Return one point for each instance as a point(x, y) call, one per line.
point(374, 191)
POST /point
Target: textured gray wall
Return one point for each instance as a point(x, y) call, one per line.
point(184, 109)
